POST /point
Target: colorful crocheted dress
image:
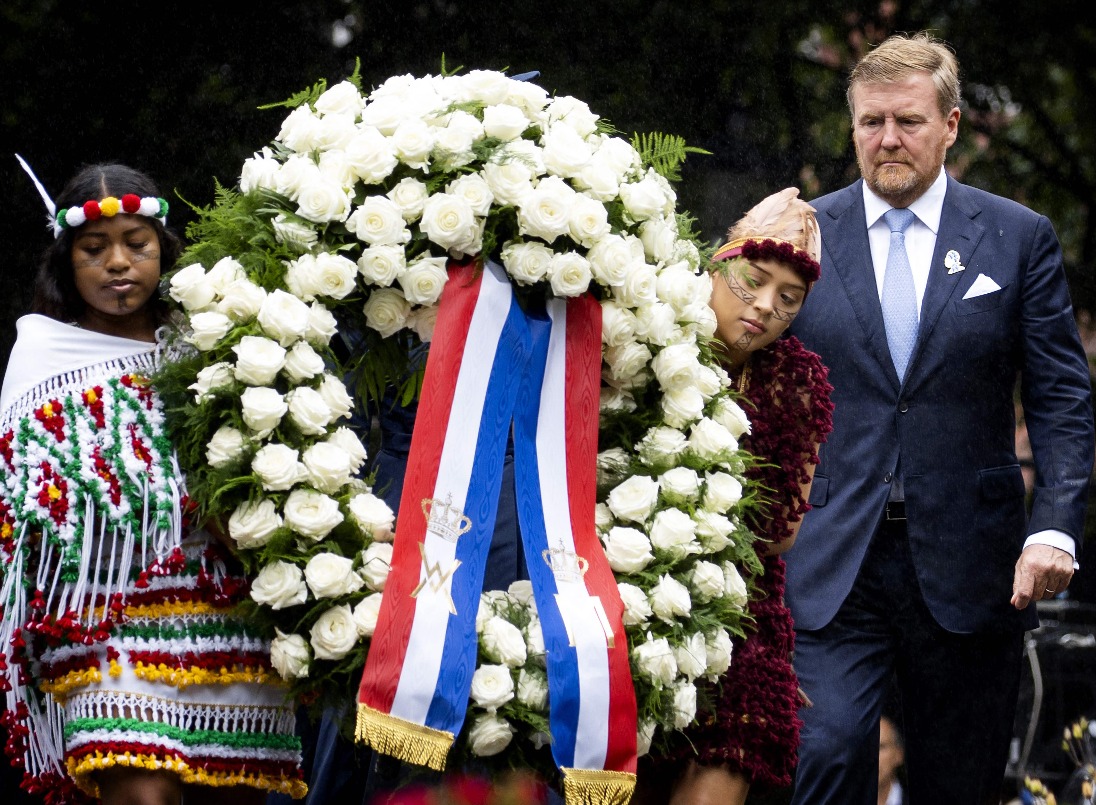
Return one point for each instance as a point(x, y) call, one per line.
point(119, 644)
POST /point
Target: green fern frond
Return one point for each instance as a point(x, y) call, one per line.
point(304, 96)
point(664, 152)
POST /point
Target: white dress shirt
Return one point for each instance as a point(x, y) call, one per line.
point(920, 245)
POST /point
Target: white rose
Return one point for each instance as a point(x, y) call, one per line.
point(366, 613)
point(341, 99)
point(259, 172)
point(680, 484)
point(721, 491)
point(659, 237)
point(423, 321)
point(733, 585)
point(190, 288)
point(588, 221)
point(634, 499)
point(283, 317)
point(527, 261)
point(386, 311)
point(378, 222)
point(208, 328)
point(710, 441)
point(253, 524)
point(643, 199)
point(684, 704)
point(598, 180)
point(708, 381)
point(703, 320)
point(373, 516)
point(289, 655)
point(409, 195)
point(323, 199)
point(730, 415)
point(527, 96)
point(656, 323)
point(681, 406)
point(383, 112)
point(644, 738)
point(484, 613)
point(333, 276)
point(492, 686)
point(504, 122)
point(308, 411)
point(618, 324)
point(603, 517)
point(413, 141)
point(302, 362)
point(691, 656)
point(382, 265)
point(627, 549)
point(521, 591)
point(334, 394)
point(224, 272)
point(719, 648)
point(225, 447)
point(613, 256)
point(330, 576)
point(679, 287)
point(211, 378)
point(241, 300)
point(299, 277)
point(639, 286)
point(277, 467)
point(574, 113)
point(706, 581)
point(336, 134)
point(370, 155)
point(448, 220)
point(311, 514)
point(612, 464)
point(637, 610)
point(670, 598)
point(674, 532)
point(612, 400)
point(489, 735)
point(503, 642)
point(321, 325)
point(347, 441)
point(295, 173)
point(661, 446)
point(453, 144)
point(676, 366)
point(424, 280)
point(509, 181)
point(569, 274)
point(713, 529)
point(473, 189)
point(300, 130)
point(534, 641)
point(279, 585)
point(532, 689)
point(545, 212)
point(334, 633)
point(565, 151)
point(627, 361)
point(262, 409)
point(258, 360)
point(655, 660)
point(328, 466)
point(376, 564)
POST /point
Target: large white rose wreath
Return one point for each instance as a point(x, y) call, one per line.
point(345, 223)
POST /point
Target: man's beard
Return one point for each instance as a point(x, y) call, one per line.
point(898, 184)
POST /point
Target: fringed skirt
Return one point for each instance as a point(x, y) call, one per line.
point(181, 684)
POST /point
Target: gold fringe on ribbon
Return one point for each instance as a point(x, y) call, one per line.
point(404, 740)
point(597, 787)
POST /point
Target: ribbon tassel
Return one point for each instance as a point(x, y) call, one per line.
point(592, 787)
point(404, 740)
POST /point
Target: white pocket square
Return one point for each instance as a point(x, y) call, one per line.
point(981, 286)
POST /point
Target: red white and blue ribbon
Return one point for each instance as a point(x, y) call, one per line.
point(414, 691)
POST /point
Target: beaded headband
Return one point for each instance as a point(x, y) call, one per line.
point(776, 249)
point(130, 203)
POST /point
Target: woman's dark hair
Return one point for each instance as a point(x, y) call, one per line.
point(55, 293)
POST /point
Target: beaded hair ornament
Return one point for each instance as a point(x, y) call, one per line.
point(781, 227)
point(93, 210)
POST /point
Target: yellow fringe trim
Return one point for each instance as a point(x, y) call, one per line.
point(83, 772)
point(59, 688)
point(185, 677)
point(404, 740)
point(115, 669)
point(597, 787)
point(169, 609)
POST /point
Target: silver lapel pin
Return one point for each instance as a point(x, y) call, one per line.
point(952, 262)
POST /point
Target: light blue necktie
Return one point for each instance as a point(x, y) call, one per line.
point(899, 297)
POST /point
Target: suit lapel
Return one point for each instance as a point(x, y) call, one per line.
point(846, 241)
point(960, 233)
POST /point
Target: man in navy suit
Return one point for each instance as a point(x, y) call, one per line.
point(918, 562)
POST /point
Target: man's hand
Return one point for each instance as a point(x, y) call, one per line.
point(1042, 571)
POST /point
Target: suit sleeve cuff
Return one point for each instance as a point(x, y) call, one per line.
point(1055, 539)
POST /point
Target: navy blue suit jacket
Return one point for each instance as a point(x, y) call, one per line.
point(952, 421)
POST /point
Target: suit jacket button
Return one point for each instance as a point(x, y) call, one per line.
point(903, 407)
point(887, 478)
